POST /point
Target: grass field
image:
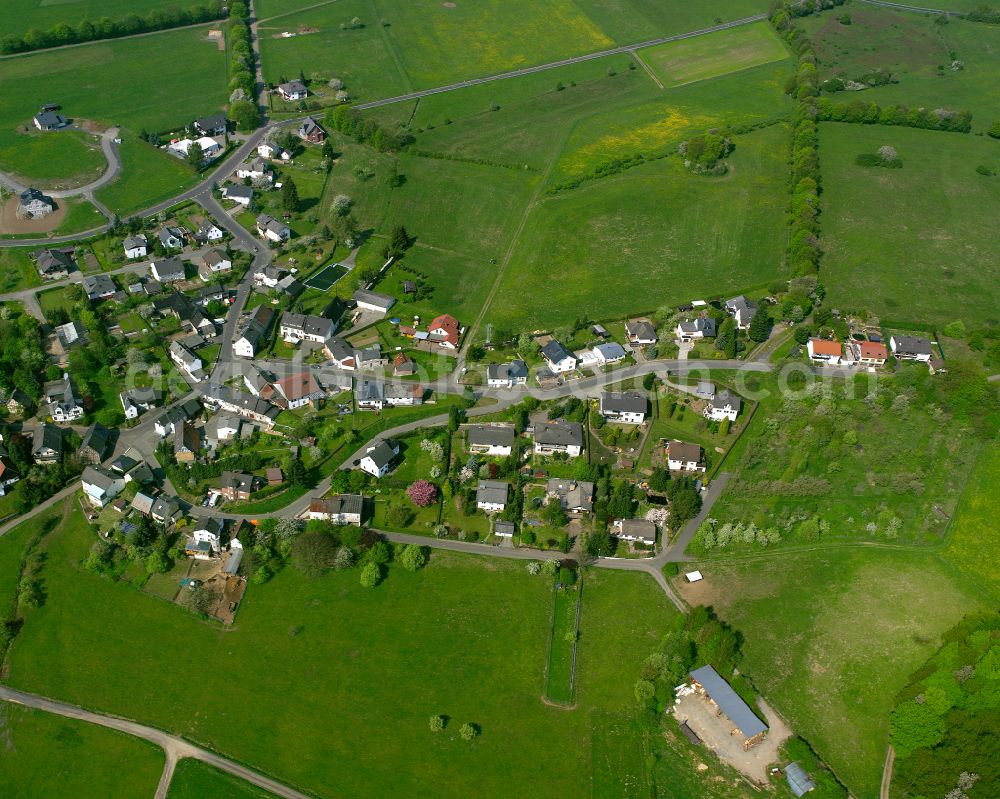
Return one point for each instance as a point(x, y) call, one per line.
point(80, 216)
point(716, 54)
point(913, 47)
point(161, 70)
point(196, 780)
point(654, 225)
point(48, 158)
point(466, 637)
point(559, 672)
point(17, 271)
point(972, 533)
point(887, 232)
point(830, 637)
point(148, 176)
point(45, 755)
point(21, 15)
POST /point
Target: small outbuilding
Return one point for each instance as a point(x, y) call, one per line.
point(798, 781)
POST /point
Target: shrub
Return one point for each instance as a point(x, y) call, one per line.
point(422, 493)
point(371, 575)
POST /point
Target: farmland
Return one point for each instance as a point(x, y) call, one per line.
point(831, 635)
point(883, 229)
point(970, 536)
point(161, 69)
point(439, 634)
point(148, 176)
point(21, 15)
point(45, 755)
point(196, 780)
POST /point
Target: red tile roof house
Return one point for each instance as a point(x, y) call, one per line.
point(870, 353)
point(821, 350)
point(444, 331)
point(294, 391)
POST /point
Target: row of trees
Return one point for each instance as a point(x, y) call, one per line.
point(871, 113)
point(105, 28)
point(349, 121)
point(243, 108)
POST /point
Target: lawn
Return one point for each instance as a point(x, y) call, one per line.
point(465, 637)
point(884, 470)
point(58, 758)
point(148, 176)
point(887, 232)
point(973, 532)
point(21, 15)
point(559, 672)
point(657, 225)
point(830, 637)
point(196, 780)
point(54, 299)
point(161, 70)
point(716, 54)
point(51, 160)
point(80, 216)
point(17, 270)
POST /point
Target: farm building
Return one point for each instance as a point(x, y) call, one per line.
point(707, 682)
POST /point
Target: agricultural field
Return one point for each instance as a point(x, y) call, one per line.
point(20, 16)
point(148, 176)
point(196, 780)
point(656, 224)
point(886, 229)
point(162, 69)
point(830, 636)
point(46, 755)
point(437, 641)
point(716, 54)
point(972, 534)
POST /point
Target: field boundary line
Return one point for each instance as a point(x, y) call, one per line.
point(391, 46)
point(296, 11)
point(731, 72)
point(648, 69)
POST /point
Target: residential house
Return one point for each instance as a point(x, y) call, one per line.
point(558, 358)
point(724, 405)
point(136, 246)
point(403, 366)
point(295, 327)
point(254, 333)
point(101, 485)
point(222, 427)
point(698, 328)
point(341, 353)
point(172, 237)
point(185, 359)
point(47, 444)
point(444, 331)
point(8, 474)
point(214, 125)
point(167, 422)
point(558, 436)
point(626, 407)
point(213, 263)
point(684, 457)
point(704, 390)
point(294, 391)
point(18, 404)
point(742, 310)
point(491, 495)
point(271, 229)
point(143, 503)
point(290, 286)
point(167, 270)
point(747, 727)
point(488, 439)
point(608, 353)
point(99, 287)
point(218, 396)
point(49, 120)
point(504, 529)
point(268, 149)
point(236, 486)
point(640, 332)
point(96, 444)
point(507, 375)
point(638, 530)
point(911, 348)
point(870, 353)
point(371, 395)
point(71, 334)
point(209, 231)
point(822, 350)
point(166, 510)
point(373, 300)
point(59, 400)
point(274, 476)
point(136, 400)
point(187, 442)
point(371, 358)
point(311, 131)
point(210, 148)
point(206, 538)
point(55, 263)
point(239, 194)
point(338, 509)
point(132, 468)
point(378, 458)
point(258, 170)
point(293, 90)
point(575, 496)
point(190, 315)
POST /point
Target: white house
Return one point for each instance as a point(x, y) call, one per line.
point(684, 457)
point(640, 332)
point(742, 310)
point(136, 400)
point(378, 458)
point(256, 170)
point(373, 300)
point(99, 287)
point(101, 485)
point(295, 327)
point(60, 401)
point(911, 348)
point(136, 246)
point(558, 358)
point(167, 270)
point(271, 150)
point(210, 148)
point(507, 375)
point(271, 229)
point(870, 353)
point(238, 194)
point(371, 395)
point(724, 405)
point(491, 495)
point(293, 90)
point(639, 530)
point(626, 407)
point(254, 332)
point(206, 538)
point(559, 436)
point(692, 329)
point(488, 439)
point(822, 350)
point(338, 509)
point(209, 231)
point(214, 262)
point(184, 358)
point(608, 353)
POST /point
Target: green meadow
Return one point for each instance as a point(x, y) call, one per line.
point(972, 536)
point(196, 780)
point(47, 755)
point(465, 637)
point(887, 230)
point(148, 176)
point(157, 82)
point(20, 16)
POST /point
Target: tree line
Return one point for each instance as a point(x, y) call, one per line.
point(106, 28)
